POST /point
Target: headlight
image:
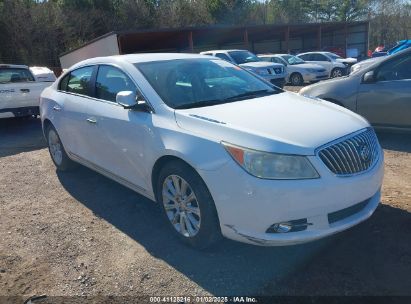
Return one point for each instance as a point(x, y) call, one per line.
point(272, 165)
point(355, 67)
point(262, 72)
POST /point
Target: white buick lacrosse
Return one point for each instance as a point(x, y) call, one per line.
point(221, 150)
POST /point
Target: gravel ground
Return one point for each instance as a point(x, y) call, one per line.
point(79, 233)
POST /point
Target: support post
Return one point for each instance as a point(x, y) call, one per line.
point(246, 43)
point(190, 41)
point(319, 37)
point(345, 39)
point(287, 39)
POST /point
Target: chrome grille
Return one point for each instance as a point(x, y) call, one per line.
point(352, 155)
point(278, 70)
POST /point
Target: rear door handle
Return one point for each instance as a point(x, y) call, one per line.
point(56, 108)
point(91, 120)
point(25, 90)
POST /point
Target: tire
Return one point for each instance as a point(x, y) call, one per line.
point(296, 79)
point(199, 229)
point(56, 150)
point(337, 72)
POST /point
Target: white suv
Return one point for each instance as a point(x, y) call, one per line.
point(273, 72)
point(221, 150)
point(334, 64)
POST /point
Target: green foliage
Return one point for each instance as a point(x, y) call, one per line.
point(37, 31)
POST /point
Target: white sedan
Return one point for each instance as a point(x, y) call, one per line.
point(222, 151)
point(334, 64)
point(298, 71)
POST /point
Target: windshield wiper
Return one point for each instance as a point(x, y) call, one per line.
point(251, 94)
point(201, 103)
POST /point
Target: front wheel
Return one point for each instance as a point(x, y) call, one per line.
point(296, 79)
point(187, 205)
point(56, 149)
point(337, 72)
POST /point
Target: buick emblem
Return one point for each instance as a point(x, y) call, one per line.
point(364, 151)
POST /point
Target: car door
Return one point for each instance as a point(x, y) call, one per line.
point(322, 60)
point(71, 111)
point(387, 100)
point(18, 89)
point(119, 135)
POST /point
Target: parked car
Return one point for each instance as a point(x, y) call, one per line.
point(334, 64)
point(380, 92)
point(364, 63)
point(400, 46)
point(272, 72)
point(298, 71)
point(221, 150)
point(42, 74)
point(19, 91)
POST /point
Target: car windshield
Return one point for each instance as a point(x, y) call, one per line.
point(189, 83)
point(243, 57)
point(292, 60)
point(333, 56)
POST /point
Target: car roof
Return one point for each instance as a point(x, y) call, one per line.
point(319, 52)
point(273, 55)
point(223, 51)
point(138, 58)
point(13, 66)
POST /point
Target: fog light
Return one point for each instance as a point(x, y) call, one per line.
point(290, 226)
point(281, 227)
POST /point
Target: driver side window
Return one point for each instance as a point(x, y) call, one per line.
point(397, 69)
point(110, 81)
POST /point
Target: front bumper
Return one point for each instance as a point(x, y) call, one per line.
point(247, 206)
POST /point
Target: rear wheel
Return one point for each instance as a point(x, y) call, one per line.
point(296, 79)
point(56, 149)
point(187, 205)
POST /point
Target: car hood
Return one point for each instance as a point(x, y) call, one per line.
point(261, 64)
point(347, 60)
point(282, 123)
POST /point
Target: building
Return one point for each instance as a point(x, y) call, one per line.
point(345, 37)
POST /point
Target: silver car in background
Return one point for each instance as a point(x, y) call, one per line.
point(381, 92)
point(298, 71)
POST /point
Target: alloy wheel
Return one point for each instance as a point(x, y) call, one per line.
point(181, 205)
point(55, 147)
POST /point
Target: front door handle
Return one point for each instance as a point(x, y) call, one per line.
point(91, 120)
point(56, 108)
point(25, 90)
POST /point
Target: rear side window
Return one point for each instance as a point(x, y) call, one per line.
point(223, 56)
point(64, 82)
point(110, 81)
point(318, 57)
point(11, 75)
point(78, 81)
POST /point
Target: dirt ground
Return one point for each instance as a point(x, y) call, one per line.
point(79, 233)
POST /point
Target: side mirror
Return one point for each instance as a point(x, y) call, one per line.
point(368, 77)
point(130, 100)
point(126, 99)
